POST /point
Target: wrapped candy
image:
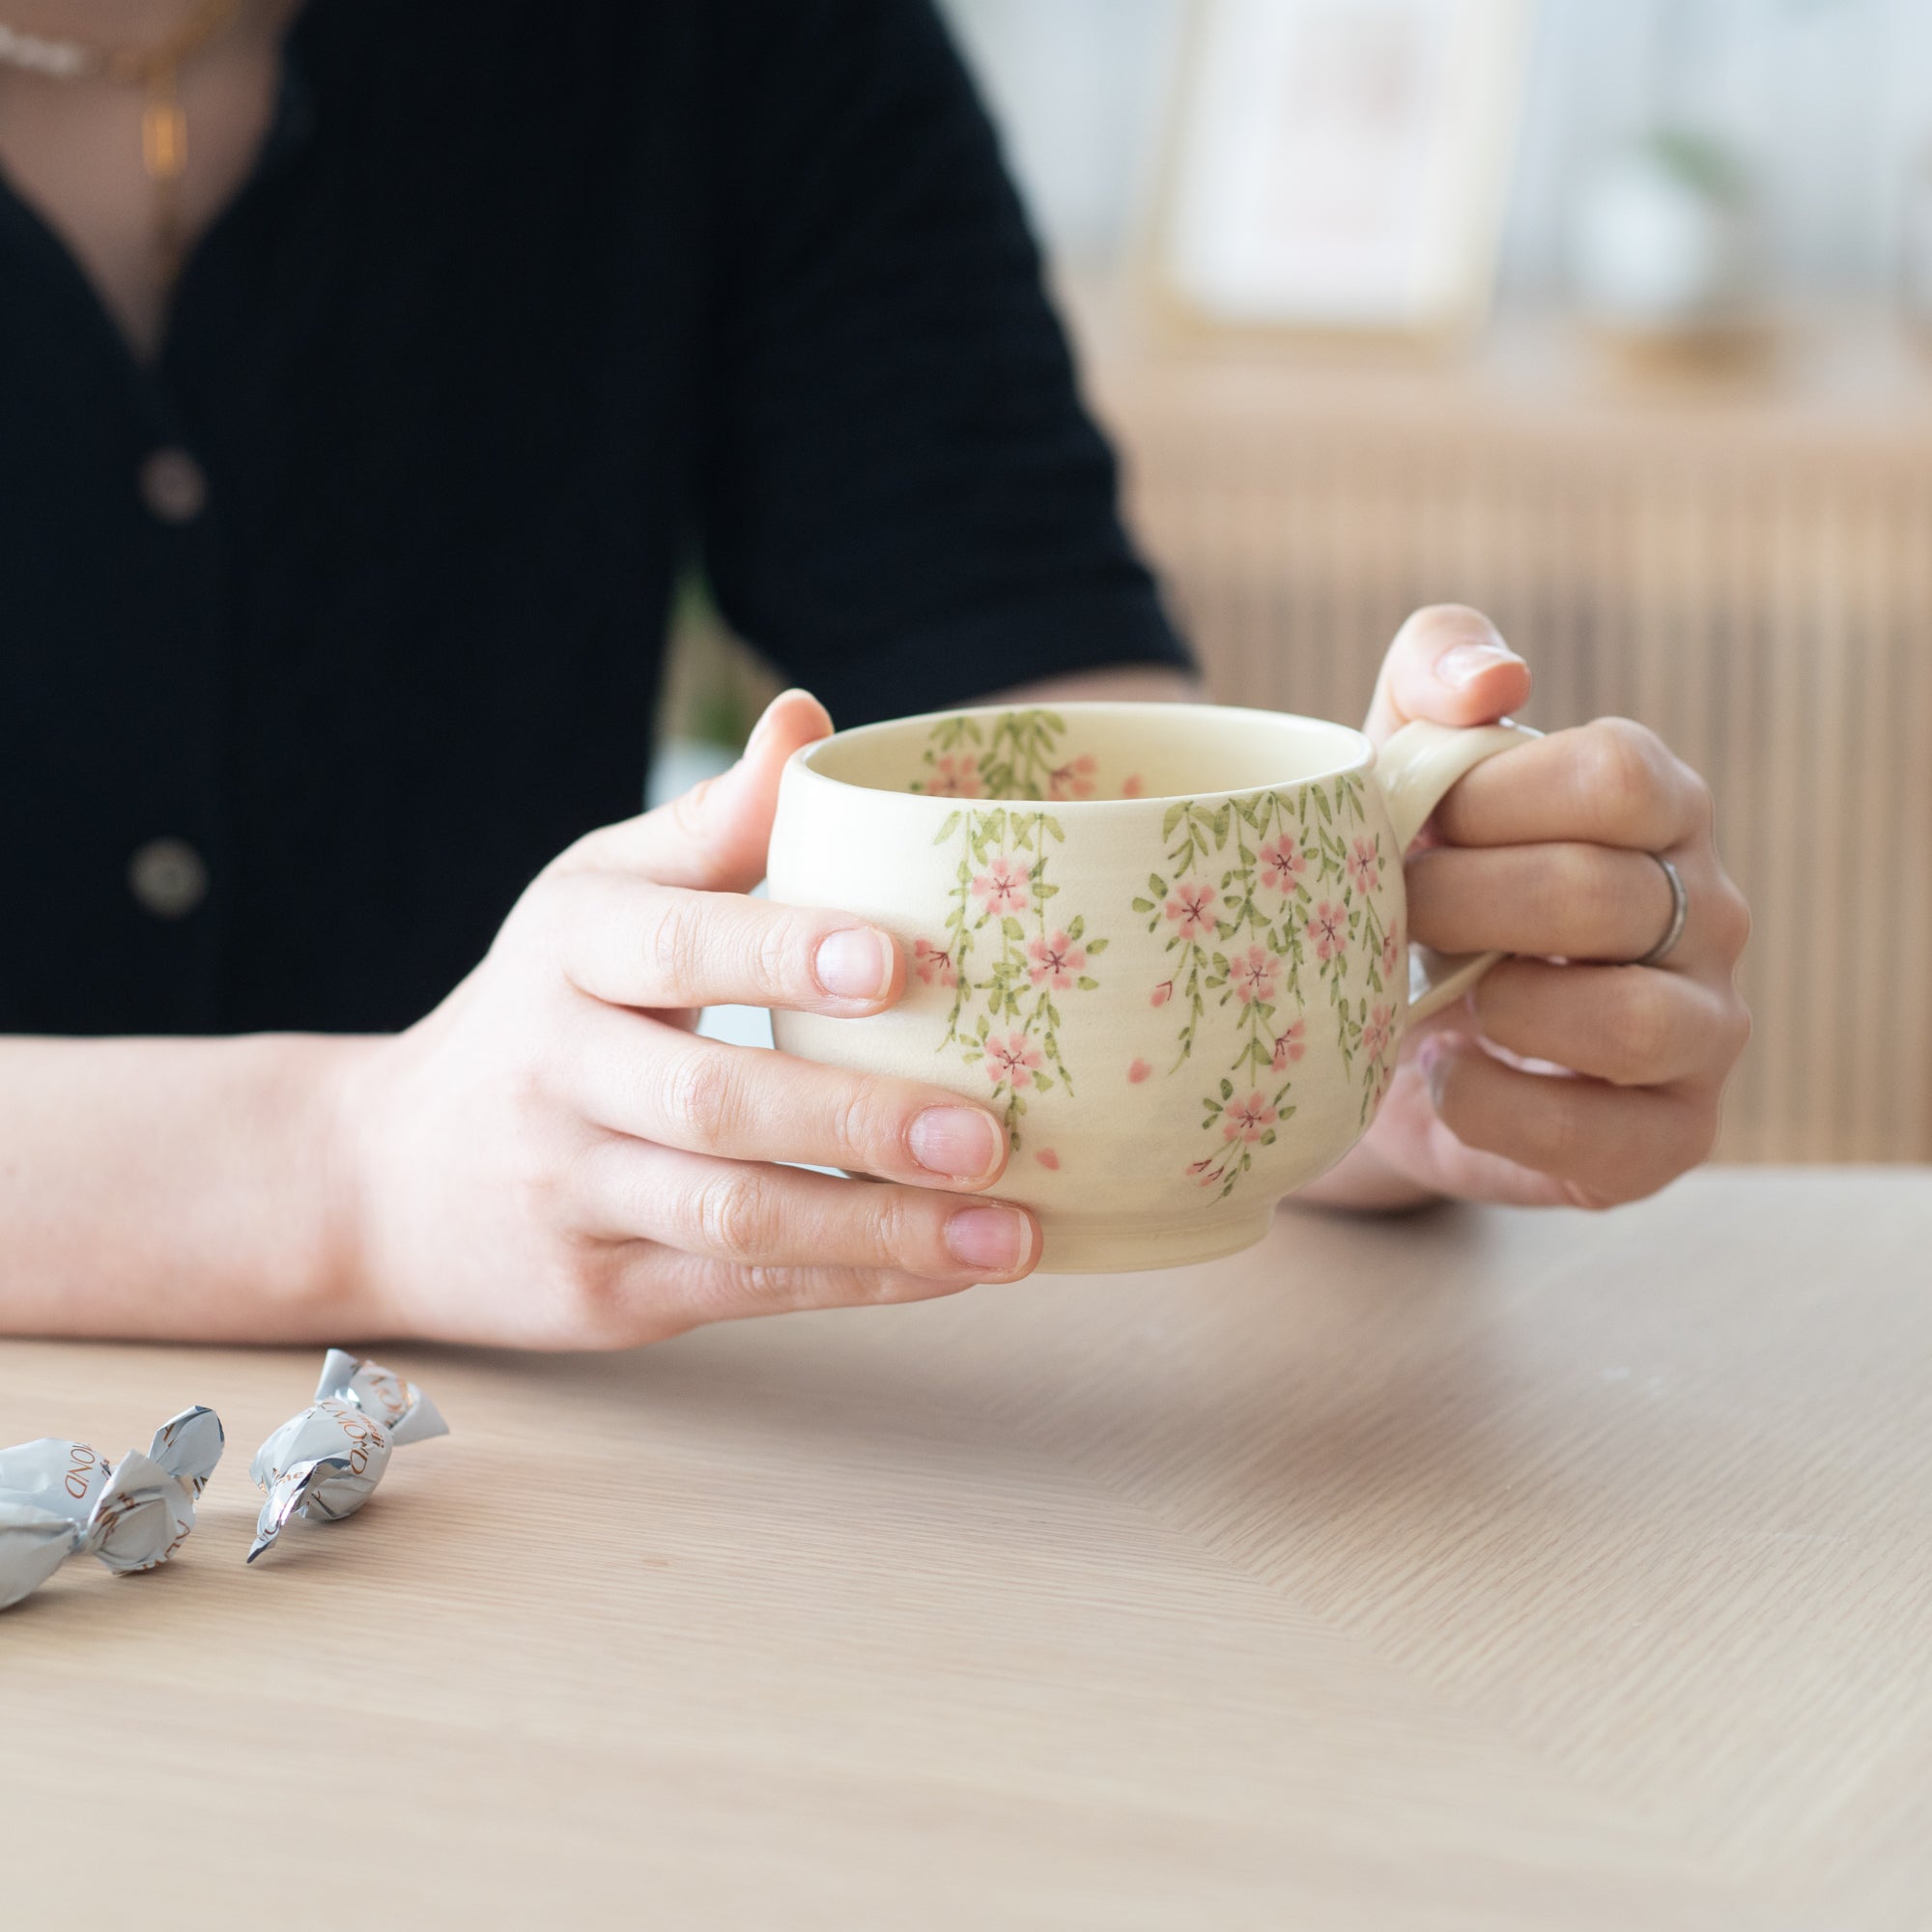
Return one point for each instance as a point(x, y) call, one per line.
point(57, 1499)
point(324, 1462)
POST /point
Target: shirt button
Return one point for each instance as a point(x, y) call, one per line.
point(172, 485)
point(167, 878)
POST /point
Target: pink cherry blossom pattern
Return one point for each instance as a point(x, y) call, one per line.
point(1001, 885)
point(1011, 1059)
point(1132, 786)
point(1188, 908)
point(1328, 928)
point(1072, 780)
point(1056, 959)
point(1048, 1160)
point(1391, 951)
point(1161, 994)
point(933, 964)
point(1289, 1045)
point(1253, 977)
point(1283, 862)
point(1379, 1030)
point(1365, 866)
point(1137, 1071)
point(953, 777)
point(1247, 1119)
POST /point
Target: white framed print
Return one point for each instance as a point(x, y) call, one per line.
point(1341, 165)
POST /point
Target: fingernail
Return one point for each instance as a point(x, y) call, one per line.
point(1464, 664)
point(855, 964)
point(1431, 1062)
point(763, 728)
point(959, 1142)
point(998, 1239)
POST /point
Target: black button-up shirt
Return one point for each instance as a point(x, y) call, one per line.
point(321, 635)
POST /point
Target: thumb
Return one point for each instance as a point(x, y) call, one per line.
point(1448, 663)
point(714, 836)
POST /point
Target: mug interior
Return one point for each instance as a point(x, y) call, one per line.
point(1089, 753)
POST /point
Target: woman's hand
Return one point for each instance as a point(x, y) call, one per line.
point(554, 1160)
point(1567, 1075)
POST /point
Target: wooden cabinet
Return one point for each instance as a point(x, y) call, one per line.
point(1743, 561)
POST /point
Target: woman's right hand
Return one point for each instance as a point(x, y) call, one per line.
point(554, 1160)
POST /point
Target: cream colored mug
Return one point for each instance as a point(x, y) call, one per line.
point(1166, 943)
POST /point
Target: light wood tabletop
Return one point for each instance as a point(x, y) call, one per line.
point(1480, 1569)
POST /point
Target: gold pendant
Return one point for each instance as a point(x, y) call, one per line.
point(163, 130)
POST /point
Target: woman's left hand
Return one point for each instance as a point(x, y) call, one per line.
point(1544, 853)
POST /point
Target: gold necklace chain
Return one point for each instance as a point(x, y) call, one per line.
point(155, 69)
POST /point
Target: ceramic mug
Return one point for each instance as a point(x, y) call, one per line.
point(1166, 943)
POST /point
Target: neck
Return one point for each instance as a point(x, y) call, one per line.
point(102, 23)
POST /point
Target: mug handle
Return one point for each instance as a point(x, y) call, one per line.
point(1414, 770)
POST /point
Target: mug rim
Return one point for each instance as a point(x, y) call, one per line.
point(1361, 757)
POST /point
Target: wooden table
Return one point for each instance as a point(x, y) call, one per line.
point(1482, 1570)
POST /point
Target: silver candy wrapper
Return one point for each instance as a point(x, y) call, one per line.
point(57, 1499)
point(324, 1464)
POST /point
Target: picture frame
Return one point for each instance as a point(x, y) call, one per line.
point(1339, 166)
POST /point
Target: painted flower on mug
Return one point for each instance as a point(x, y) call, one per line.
point(1161, 994)
point(1290, 1046)
point(1253, 977)
point(1329, 929)
point(1001, 885)
point(1365, 866)
point(1011, 1061)
point(1056, 959)
point(1188, 909)
point(1283, 862)
point(933, 964)
point(953, 777)
point(1377, 1030)
point(1391, 952)
point(1247, 1120)
point(1072, 780)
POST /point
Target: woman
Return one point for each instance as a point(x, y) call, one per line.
point(371, 368)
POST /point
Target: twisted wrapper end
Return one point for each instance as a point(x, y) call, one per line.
point(405, 1413)
point(142, 1516)
point(298, 1491)
point(188, 1446)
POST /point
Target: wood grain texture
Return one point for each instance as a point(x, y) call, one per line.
point(1481, 1571)
point(1742, 563)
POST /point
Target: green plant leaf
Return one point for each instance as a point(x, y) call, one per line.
point(1144, 905)
point(1096, 946)
point(1227, 1090)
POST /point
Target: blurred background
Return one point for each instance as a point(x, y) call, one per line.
point(1612, 316)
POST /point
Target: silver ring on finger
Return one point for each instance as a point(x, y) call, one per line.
point(1680, 914)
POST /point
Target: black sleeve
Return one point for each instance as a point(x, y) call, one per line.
point(904, 503)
